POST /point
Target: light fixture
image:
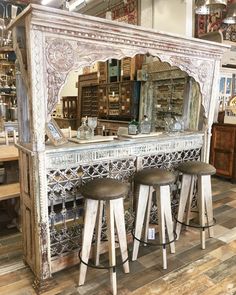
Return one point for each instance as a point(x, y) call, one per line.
point(76, 4)
point(45, 2)
point(216, 4)
point(201, 8)
point(205, 7)
point(231, 15)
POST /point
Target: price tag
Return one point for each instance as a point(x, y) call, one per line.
point(151, 233)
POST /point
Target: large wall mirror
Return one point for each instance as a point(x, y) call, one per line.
point(116, 91)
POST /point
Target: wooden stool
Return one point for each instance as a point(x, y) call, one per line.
point(96, 192)
point(151, 180)
point(202, 172)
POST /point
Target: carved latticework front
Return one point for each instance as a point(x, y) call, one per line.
point(65, 203)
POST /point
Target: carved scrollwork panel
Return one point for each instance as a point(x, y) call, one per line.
point(65, 55)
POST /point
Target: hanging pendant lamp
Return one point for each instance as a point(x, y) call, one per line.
point(231, 15)
point(201, 7)
point(216, 4)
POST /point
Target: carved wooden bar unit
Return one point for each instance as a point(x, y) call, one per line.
point(49, 43)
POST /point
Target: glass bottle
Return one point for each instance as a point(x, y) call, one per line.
point(133, 127)
point(84, 131)
point(145, 125)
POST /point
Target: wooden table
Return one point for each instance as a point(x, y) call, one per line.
point(10, 188)
point(8, 153)
point(9, 156)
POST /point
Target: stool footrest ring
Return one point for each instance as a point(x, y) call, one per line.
point(101, 267)
point(196, 226)
point(155, 244)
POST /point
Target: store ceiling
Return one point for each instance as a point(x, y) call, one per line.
point(92, 7)
point(54, 3)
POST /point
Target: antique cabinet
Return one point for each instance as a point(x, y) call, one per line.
point(114, 101)
point(58, 42)
point(7, 80)
point(223, 150)
point(122, 100)
point(89, 101)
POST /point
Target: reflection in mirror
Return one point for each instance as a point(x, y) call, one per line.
point(118, 91)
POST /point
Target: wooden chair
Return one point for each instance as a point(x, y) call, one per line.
point(10, 134)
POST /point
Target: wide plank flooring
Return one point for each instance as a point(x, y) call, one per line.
point(191, 271)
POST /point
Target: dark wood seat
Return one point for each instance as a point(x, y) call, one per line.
point(196, 168)
point(104, 189)
point(154, 176)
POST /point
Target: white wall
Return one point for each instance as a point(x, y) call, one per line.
point(69, 88)
point(171, 16)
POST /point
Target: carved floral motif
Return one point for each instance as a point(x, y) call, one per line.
point(60, 55)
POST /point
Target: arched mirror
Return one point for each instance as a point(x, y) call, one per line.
point(116, 91)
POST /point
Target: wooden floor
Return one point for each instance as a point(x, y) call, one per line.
point(191, 271)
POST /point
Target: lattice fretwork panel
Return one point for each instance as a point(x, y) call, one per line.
point(65, 203)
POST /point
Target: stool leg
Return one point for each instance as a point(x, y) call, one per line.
point(98, 234)
point(161, 223)
point(140, 213)
point(149, 206)
point(91, 207)
point(208, 202)
point(121, 232)
point(201, 208)
point(165, 191)
point(190, 199)
point(111, 245)
point(184, 193)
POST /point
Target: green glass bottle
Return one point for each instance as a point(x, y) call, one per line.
point(133, 127)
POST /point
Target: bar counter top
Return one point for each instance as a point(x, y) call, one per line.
point(71, 153)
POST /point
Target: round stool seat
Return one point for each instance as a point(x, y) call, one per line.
point(154, 176)
point(104, 189)
point(196, 168)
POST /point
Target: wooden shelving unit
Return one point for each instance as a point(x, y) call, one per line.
point(7, 76)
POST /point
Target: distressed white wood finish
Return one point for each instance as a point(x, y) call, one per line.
point(165, 221)
point(204, 204)
point(91, 208)
point(98, 232)
point(148, 212)
point(140, 214)
point(119, 216)
point(183, 199)
point(49, 43)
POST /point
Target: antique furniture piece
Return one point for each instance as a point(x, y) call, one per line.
point(54, 43)
point(201, 173)
point(223, 150)
point(10, 189)
point(159, 181)
point(110, 127)
point(108, 193)
point(113, 101)
point(69, 113)
point(7, 78)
